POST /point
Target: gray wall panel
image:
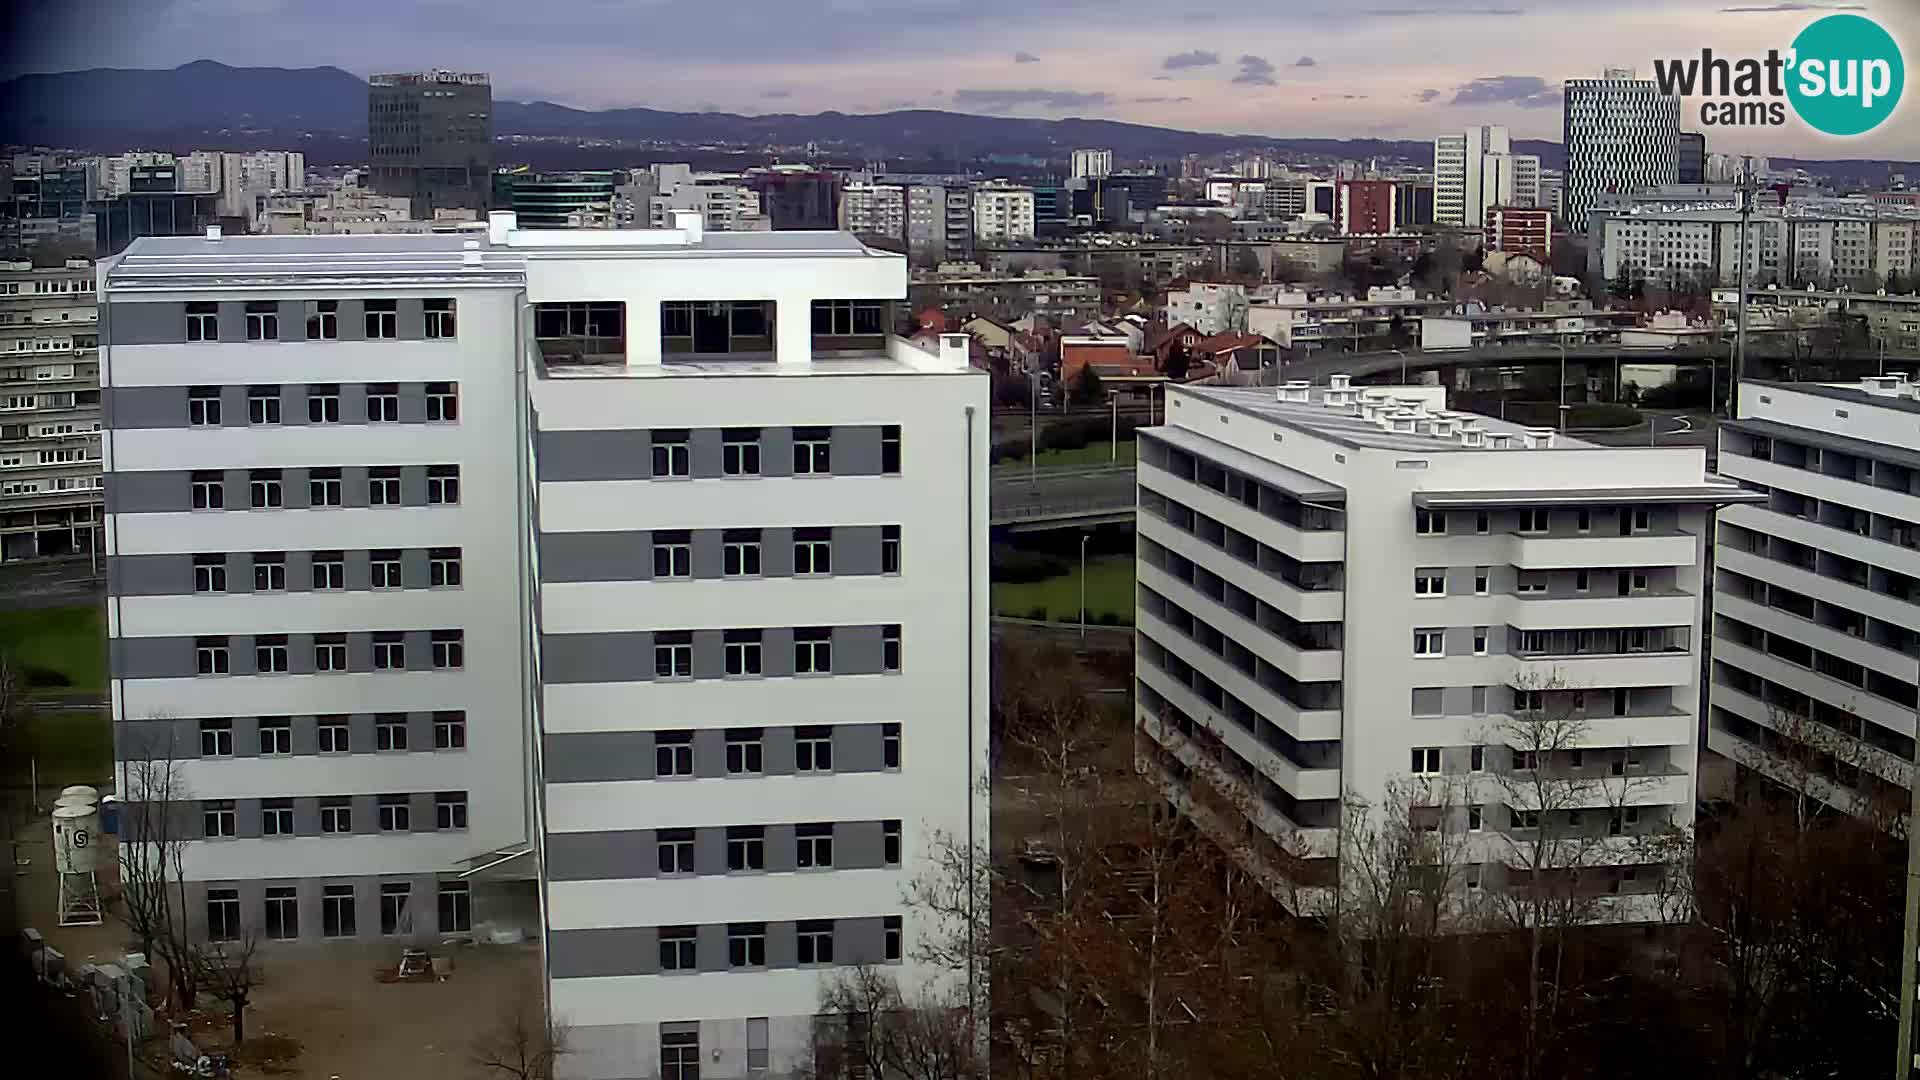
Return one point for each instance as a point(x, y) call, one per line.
point(856, 451)
point(233, 321)
point(776, 552)
point(596, 756)
point(577, 954)
point(145, 406)
point(601, 856)
point(856, 549)
point(856, 748)
point(780, 853)
point(353, 320)
point(856, 650)
point(709, 754)
point(598, 556)
point(150, 575)
point(859, 941)
point(704, 453)
point(157, 492)
point(156, 657)
point(776, 451)
point(858, 845)
point(595, 455)
point(587, 658)
point(148, 324)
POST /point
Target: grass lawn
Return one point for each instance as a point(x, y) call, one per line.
point(69, 640)
point(1109, 590)
point(67, 747)
point(1092, 454)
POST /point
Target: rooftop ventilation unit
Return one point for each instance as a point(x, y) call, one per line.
point(1400, 423)
point(1499, 440)
point(1884, 385)
point(1473, 437)
point(1537, 438)
point(1443, 426)
point(1340, 381)
point(1295, 392)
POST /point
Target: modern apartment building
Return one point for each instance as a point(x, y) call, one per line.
point(624, 588)
point(1621, 134)
point(874, 210)
point(430, 139)
point(939, 222)
point(1824, 243)
point(1478, 169)
point(1002, 213)
point(1343, 589)
point(1817, 599)
point(1092, 163)
point(49, 411)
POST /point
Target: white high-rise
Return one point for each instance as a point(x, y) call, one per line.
point(1478, 169)
point(1622, 134)
point(1347, 589)
point(627, 589)
point(1002, 213)
point(874, 210)
point(1092, 164)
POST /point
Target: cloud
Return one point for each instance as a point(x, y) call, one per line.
point(1255, 71)
point(1756, 10)
point(1024, 57)
point(1161, 100)
point(1526, 91)
point(1340, 97)
point(1195, 58)
point(775, 95)
point(1425, 96)
point(1306, 61)
point(1439, 13)
point(1002, 100)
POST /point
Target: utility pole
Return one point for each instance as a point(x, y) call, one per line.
point(1740, 316)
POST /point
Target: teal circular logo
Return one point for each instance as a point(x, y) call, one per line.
point(1847, 75)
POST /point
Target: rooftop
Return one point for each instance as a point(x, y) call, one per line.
point(1899, 395)
point(1337, 422)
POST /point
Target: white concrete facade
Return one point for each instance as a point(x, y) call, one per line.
point(49, 411)
point(1092, 163)
point(1002, 213)
point(1342, 593)
point(1478, 169)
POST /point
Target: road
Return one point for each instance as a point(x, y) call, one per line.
point(1057, 496)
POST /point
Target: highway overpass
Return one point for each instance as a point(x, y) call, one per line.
point(1055, 498)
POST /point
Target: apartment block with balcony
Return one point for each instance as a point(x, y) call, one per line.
point(1817, 597)
point(49, 411)
point(1347, 590)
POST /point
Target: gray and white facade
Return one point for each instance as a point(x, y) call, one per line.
point(1343, 591)
point(707, 597)
point(49, 411)
point(1817, 597)
point(1622, 134)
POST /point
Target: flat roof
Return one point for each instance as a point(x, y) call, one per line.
point(1291, 481)
point(1898, 455)
point(1340, 426)
point(1841, 392)
point(875, 364)
point(1722, 492)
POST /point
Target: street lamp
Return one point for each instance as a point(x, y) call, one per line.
point(1113, 438)
point(1033, 423)
point(1403, 365)
point(1563, 384)
point(1084, 536)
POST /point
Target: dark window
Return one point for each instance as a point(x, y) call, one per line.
point(812, 551)
point(329, 570)
point(740, 451)
point(890, 746)
point(263, 320)
point(203, 322)
point(890, 648)
point(203, 406)
point(679, 1055)
point(813, 749)
point(672, 553)
point(325, 487)
point(209, 491)
point(671, 453)
point(210, 656)
point(283, 911)
point(673, 753)
point(889, 549)
point(396, 813)
point(276, 817)
point(450, 810)
point(223, 914)
point(890, 842)
point(746, 848)
point(890, 449)
point(439, 315)
point(449, 730)
point(814, 846)
point(276, 735)
point(893, 931)
point(812, 451)
point(675, 850)
point(740, 552)
point(323, 403)
point(210, 573)
point(269, 571)
point(744, 751)
point(443, 485)
point(383, 403)
point(383, 319)
point(742, 652)
point(443, 402)
point(443, 568)
point(673, 654)
point(383, 486)
point(335, 734)
point(263, 404)
point(449, 649)
point(815, 940)
point(263, 490)
point(323, 320)
point(746, 945)
point(216, 738)
point(677, 948)
point(456, 907)
point(390, 731)
point(813, 650)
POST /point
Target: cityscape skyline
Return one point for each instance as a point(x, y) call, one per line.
point(1299, 68)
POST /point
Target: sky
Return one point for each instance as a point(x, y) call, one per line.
point(1401, 69)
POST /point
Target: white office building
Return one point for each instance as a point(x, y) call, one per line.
point(1002, 213)
point(1622, 135)
point(1346, 589)
point(627, 589)
point(1817, 599)
point(1477, 169)
point(1092, 164)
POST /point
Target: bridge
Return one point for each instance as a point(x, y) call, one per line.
point(1361, 365)
point(1054, 498)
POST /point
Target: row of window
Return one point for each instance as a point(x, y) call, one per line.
point(213, 654)
point(323, 404)
point(1426, 760)
point(740, 451)
point(741, 551)
point(1431, 642)
point(280, 911)
point(380, 320)
point(1432, 581)
point(334, 734)
point(325, 487)
point(219, 818)
point(329, 570)
point(743, 649)
point(747, 944)
point(747, 848)
point(746, 753)
point(1533, 521)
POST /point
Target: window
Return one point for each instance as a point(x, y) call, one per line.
point(329, 570)
point(892, 933)
point(1638, 581)
point(323, 320)
point(276, 735)
point(740, 451)
point(383, 567)
point(210, 656)
point(890, 746)
point(890, 449)
point(443, 402)
point(439, 313)
point(1580, 581)
point(203, 406)
point(757, 1044)
point(1642, 519)
point(209, 492)
point(263, 320)
point(1529, 701)
point(323, 403)
point(1479, 641)
point(217, 819)
point(673, 654)
point(812, 650)
point(673, 554)
point(449, 649)
point(742, 652)
point(394, 916)
point(209, 573)
point(679, 1052)
point(670, 453)
point(443, 485)
point(746, 848)
point(890, 648)
point(1480, 580)
point(1583, 520)
point(1430, 522)
point(845, 318)
point(449, 730)
point(815, 851)
point(383, 319)
point(383, 403)
point(1533, 521)
point(1473, 819)
point(262, 404)
point(747, 945)
point(223, 914)
point(1526, 760)
point(812, 551)
point(335, 735)
point(443, 568)
point(890, 842)
point(216, 738)
point(1530, 583)
point(396, 813)
point(324, 487)
point(336, 911)
point(1429, 643)
point(740, 553)
point(269, 571)
point(1426, 761)
point(744, 757)
point(390, 731)
point(813, 749)
point(450, 810)
point(276, 817)
point(1429, 583)
point(203, 322)
point(389, 651)
point(1523, 819)
point(675, 850)
point(673, 754)
point(456, 906)
point(1477, 759)
point(263, 489)
point(815, 940)
point(812, 451)
point(336, 816)
point(889, 549)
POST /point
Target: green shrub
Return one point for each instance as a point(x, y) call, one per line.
point(1016, 567)
point(1037, 613)
point(40, 677)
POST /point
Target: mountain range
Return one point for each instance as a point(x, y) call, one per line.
point(323, 110)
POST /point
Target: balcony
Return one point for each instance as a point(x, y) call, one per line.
point(1673, 548)
point(1305, 544)
point(1317, 840)
point(1304, 724)
point(1894, 716)
point(1299, 781)
point(1305, 664)
point(1303, 602)
point(1603, 610)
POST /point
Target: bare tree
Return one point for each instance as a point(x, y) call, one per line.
point(15, 706)
point(523, 1044)
point(153, 840)
point(866, 1027)
point(228, 970)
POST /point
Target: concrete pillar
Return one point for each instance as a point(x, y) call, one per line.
point(643, 333)
point(793, 330)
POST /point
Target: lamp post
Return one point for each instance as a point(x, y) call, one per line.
point(1403, 365)
point(1083, 588)
point(1563, 384)
point(1033, 424)
point(1113, 438)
